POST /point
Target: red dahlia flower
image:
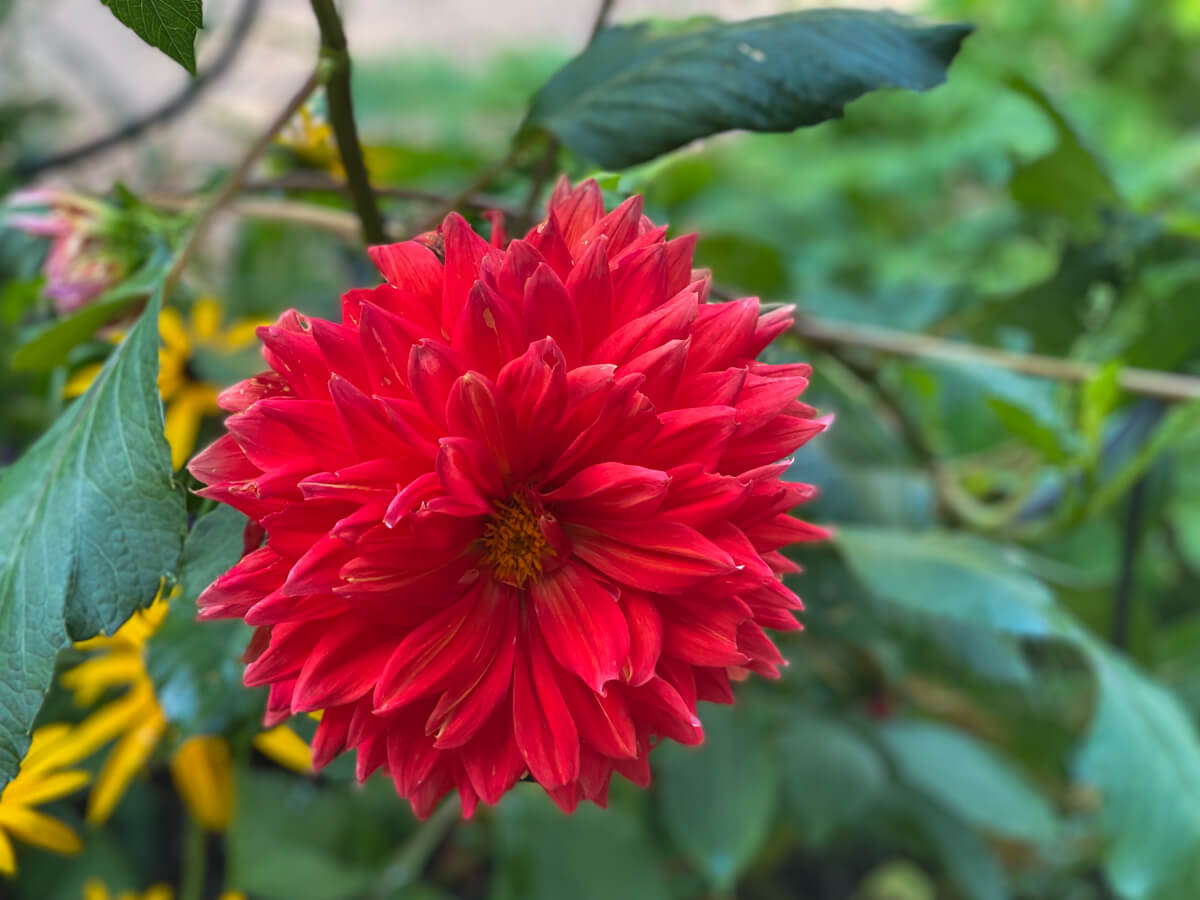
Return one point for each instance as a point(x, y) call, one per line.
point(522, 506)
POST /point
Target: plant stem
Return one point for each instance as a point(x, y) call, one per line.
point(319, 182)
point(341, 117)
point(1131, 539)
point(477, 184)
point(195, 858)
point(233, 182)
point(826, 332)
point(410, 861)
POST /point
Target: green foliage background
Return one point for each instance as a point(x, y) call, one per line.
point(997, 690)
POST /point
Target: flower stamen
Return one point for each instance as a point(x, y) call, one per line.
point(513, 542)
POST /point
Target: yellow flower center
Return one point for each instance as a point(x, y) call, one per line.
point(513, 543)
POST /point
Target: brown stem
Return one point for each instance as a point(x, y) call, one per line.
point(233, 182)
point(826, 332)
point(341, 117)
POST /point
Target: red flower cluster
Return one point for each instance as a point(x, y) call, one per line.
point(523, 506)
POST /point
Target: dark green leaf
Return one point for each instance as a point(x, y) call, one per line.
point(831, 775)
point(958, 576)
point(1070, 181)
point(196, 667)
point(959, 848)
point(592, 854)
point(1141, 753)
point(968, 778)
point(637, 92)
point(717, 799)
point(169, 25)
point(295, 838)
point(90, 522)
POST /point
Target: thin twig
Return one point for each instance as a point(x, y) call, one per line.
point(233, 182)
point(341, 117)
point(545, 166)
point(167, 111)
point(317, 182)
point(340, 222)
point(825, 332)
point(477, 184)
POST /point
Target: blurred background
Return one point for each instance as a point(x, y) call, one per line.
point(996, 692)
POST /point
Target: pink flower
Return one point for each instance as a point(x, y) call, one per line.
point(80, 265)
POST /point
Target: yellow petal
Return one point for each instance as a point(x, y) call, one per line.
point(232, 895)
point(202, 768)
point(158, 892)
point(94, 889)
point(172, 372)
point(242, 334)
point(206, 318)
point(173, 331)
point(123, 715)
point(181, 427)
point(8, 858)
point(38, 829)
point(285, 747)
point(122, 764)
point(81, 380)
point(35, 792)
point(91, 678)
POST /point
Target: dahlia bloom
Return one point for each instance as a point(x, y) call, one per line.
point(522, 505)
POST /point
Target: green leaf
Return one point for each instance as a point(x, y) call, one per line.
point(969, 779)
point(593, 854)
point(1141, 753)
point(960, 849)
point(717, 799)
point(958, 576)
point(1070, 181)
point(49, 346)
point(831, 775)
point(1022, 423)
point(296, 838)
point(169, 25)
point(196, 667)
point(90, 522)
point(637, 92)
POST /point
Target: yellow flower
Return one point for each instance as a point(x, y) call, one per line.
point(311, 139)
point(94, 889)
point(201, 767)
point(41, 779)
point(187, 399)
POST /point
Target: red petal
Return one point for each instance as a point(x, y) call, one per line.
point(582, 625)
point(342, 666)
point(604, 721)
point(590, 288)
point(548, 312)
point(659, 556)
point(610, 490)
point(476, 409)
point(542, 724)
point(450, 646)
point(645, 635)
point(465, 251)
point(488, 331)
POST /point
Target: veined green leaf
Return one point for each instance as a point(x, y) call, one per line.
point(90, 523)
point(639, 91)
point(169, 25)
